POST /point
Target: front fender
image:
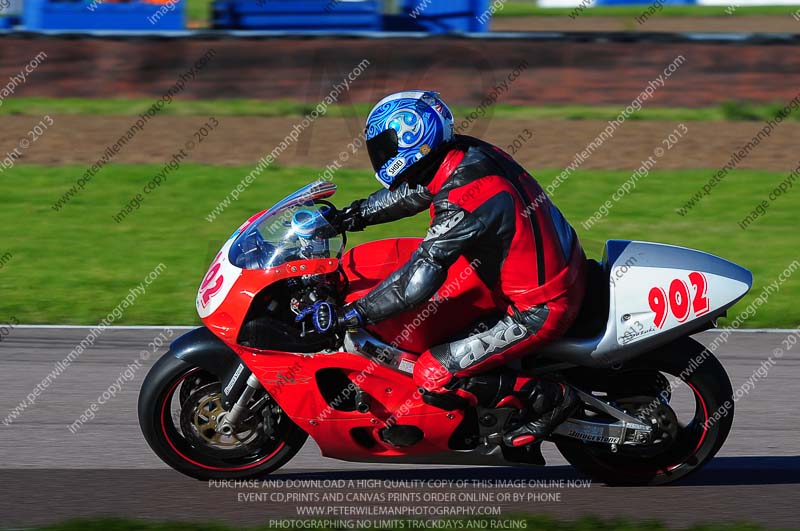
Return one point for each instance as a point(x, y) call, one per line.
point(201, 348)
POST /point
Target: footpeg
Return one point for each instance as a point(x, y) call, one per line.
point(522, 440)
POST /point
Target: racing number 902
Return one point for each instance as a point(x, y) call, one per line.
point(207, 289)
point(681, 300)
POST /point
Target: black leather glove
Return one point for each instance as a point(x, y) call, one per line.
point(348, 219)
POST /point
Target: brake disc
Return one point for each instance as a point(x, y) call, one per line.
point(198, 379)
point(202, 412)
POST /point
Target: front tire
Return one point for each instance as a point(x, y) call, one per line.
point(175, 394)
point(695, 442)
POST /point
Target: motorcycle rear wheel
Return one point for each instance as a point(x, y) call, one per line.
point(176, 405)
point(696, 443)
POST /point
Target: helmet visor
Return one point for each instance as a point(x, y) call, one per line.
point(381, 148)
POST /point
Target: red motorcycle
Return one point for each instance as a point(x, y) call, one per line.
point(238, 397)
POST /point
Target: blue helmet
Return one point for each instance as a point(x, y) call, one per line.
point(402, 129)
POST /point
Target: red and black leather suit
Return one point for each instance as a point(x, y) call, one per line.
point(483, 206)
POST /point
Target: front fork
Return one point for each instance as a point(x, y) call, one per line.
point(240, 409)
point(201, 348)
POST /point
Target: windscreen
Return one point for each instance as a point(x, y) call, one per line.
point(297, 231)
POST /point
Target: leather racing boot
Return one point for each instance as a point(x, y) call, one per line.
point(548, 405)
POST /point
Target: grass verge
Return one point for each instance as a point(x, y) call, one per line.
point(727, 111)
point(198, 13)
point(75, 266)
point(529, 9)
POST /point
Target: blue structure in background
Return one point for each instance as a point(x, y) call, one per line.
point(283, 16)
point(426, 16)
point(80, 15)
point(435, 16)
point(322, 15)
point(430, 16)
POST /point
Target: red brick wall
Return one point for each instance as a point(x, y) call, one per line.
point(463, 70)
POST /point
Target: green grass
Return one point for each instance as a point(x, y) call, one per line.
point(198, 12)
point(530, 9)
point(730, 111)
point(534, 523)
point(75, 266)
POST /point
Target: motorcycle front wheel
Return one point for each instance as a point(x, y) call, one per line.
point(179, 408)
point(689, 440)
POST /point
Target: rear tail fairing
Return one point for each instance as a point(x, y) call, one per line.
point(657, 293)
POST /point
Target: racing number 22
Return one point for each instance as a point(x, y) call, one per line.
point(678, 299)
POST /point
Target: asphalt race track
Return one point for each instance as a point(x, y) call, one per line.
point(106, 469)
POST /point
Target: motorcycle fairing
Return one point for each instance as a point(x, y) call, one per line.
point(640, 318)
point(226, 319)
point(652, 292)
point(227, 290)
point(295, 380)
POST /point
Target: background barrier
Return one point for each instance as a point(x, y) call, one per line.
point(567, 69)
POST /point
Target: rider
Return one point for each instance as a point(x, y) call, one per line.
point(484, 206)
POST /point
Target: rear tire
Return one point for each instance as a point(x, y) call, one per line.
point(189, 454)
point(697, 442)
